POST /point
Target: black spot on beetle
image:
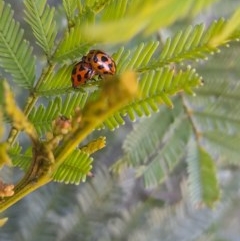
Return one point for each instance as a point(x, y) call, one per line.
point(79, 78)
point(86, 75)
point(104, 59)
point(95, 59)
point(100, 67)
point(107, 72)
point(81, 67)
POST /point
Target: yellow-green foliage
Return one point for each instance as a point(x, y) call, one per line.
point(153, 75)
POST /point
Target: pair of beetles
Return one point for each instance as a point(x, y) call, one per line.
point(96, 62)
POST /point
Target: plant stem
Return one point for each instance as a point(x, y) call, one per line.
point(189, 114)
point(21, 193)
point(114, 95)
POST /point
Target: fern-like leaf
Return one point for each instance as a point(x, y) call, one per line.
point(203, 183)
point(16, 54)
point(171, 153)
point(194, 43)
point(73, 46)
point(137, 147)
point(173, 222)
point(223, 145)
point(40, 17)
point(156, 88)
point(140, 56)
point(57, 82)
point(42, 117)
point(70, 8)
point(21, 160)
point(114, 10)
point(75, 168)
point(216, 117)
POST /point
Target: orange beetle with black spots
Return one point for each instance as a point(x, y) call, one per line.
point(101, 62)
point(81, 73)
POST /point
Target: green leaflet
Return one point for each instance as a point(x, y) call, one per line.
point(57, 82)
point(170, 153)
point(72, 46)
point(193, 43)
point(74, 169)
point(40, 16)
point(156, 88)
point(115, 10)
point(70, 8)
point(21, 160)
point(16, 53)
point(42, 116)
point(135, 59)
point(216, 116)
point(203, 184)
point(156, 145)
point(224, 146)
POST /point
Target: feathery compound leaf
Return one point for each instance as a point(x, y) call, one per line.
point(16, 54)
point(73, 45)
point(57, 82)
point(195, 42)
point(137, 58)
point(42, 116)
point(203, 183)
point(156, 87)
point(229, 31)
point(216, 116)
point(169, 155)
point(74, 169)
point(41, 18)
point(70, 8)
point(21, 160)
point(148, 135)
point(72, 101)
point(224, 146)
point(221, 115)
point(167, 81)
point(114, 10)
point(189, 44)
